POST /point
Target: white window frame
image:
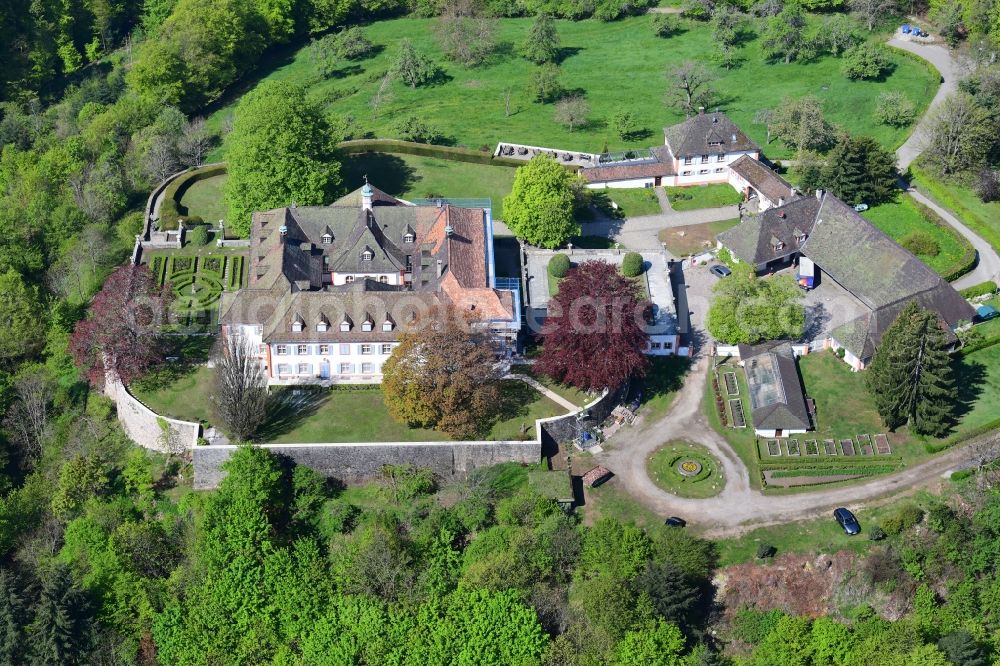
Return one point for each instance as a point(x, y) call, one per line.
point(367, 368)
point(344, 327)
point(301, 350)
point(345, 369)
point(721, 157)
point(304, 369)
point(281, 350)
point(345, 349)
point(386, 348)
point(324, 350)
point(284, 369)
point(688, 161)
point(365, 348)
point(367, 255)
point(409, 238)
point(366, 326)
point(387, 326)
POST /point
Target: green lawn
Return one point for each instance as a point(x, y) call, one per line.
point(662, 469)
point(978, 384)
point(205, 199)
point(181, 395)
point(702, 196)
point(468, 106)
point(660, 385)
point(694, 238)
point(411, 176)
point(571, 393)
point(634, 202)
point(983, 218)
point(903, 216)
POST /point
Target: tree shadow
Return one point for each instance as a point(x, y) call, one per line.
point(351, 69)
point(567, 52)
point(288, 407)
point(273, 59)
point(389, 172)
point(665, 375)
point(515, 399)
point(183, 355)
point(969, 379)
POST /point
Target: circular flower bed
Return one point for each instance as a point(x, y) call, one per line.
point(688, 467)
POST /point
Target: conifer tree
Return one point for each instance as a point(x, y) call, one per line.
point(542, 43)
point(910, 377)
point(11, 618)
point(412, 68)
point(61, 632)
point(859, 170)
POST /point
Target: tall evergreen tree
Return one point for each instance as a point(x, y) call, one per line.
point(61, 633)
point(910, 378)
point(542, 42)
point(859, 170)
point(961, 649)
point(11, 618)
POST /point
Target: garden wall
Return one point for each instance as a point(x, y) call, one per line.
point(142, 424)
point(354, 463)
point(559, 429)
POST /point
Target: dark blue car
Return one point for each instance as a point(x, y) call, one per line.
point(847, 521)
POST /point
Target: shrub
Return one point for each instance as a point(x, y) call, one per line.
point(987, 186)
point(865, 61)
point(192, 221)
point(632, 264)
point(559, 265)
point(920, 242)
point(895, 109)
point(199, 235)
point(905, 517)
point(129, 227)
point(765, 550)
point(876, 534)
point(665, 25)
point(412, 128)
point(337, 517)
point(981, 289)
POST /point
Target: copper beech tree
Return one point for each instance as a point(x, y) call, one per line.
point(595, 334)
point(443, 375)
point(121, 335)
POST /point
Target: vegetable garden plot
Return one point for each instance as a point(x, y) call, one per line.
point(848, 446)
point(736, 407)
point(731, 387)
point(811, 448)
point(830, 446)
point(773, 449)
point(882, 445)
point(865, 445)
point(793, 447)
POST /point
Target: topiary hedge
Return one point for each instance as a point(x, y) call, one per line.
point(632, 264)
point(425, 150)
point(199, 236)
point(559, 265)
point(169, 208)
point(920, 243)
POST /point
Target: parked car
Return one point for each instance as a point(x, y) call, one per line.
point(861, 207)
point(847, 521)
point(720, 270)
point(674, 521)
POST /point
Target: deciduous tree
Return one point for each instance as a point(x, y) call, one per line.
point(572, 112)
point(466, 34)
point(784, 35)
point(625, 124)
point(595, 333)
point(870, 11)
point(800, 124)
point(280, 153)
point(910, 378)
point(959, 135)
point(443, 375)
point(411, 67)
point(240, 397)
point(539, 208)
point(865, 61)
point(689, 86)
point(121, 335)
point(545, 83)
point(746, 309)
point(22, 317)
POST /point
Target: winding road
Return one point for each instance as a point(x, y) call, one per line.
point(739, 507)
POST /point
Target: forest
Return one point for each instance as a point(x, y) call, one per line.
point(108, 557)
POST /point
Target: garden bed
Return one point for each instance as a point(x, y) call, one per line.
point(686, 470)
point(847, 446)
point(739, 419)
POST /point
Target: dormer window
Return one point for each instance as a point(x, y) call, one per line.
point(327, 239)
point(367, 324)
point(345, 326)
point(387, 326)
point(367, 254)
point(322, 326)
point(409, 238)
point(296, 326)
point(779, 245)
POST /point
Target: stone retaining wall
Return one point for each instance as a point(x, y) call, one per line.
point(142, 424)
point(353, 463)
point(560, 429)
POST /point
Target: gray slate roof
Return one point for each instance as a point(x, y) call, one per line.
point(763, 179)
point(858, 256)
point(706, 133)
point(777, 401)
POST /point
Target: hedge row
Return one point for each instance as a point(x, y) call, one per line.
point(979, 345)
point(981, 289)
point(426, 150)
point(944, 197)
point(862, 470)
point(926, 64)
point(829, 462)
point(968, 260)
point(936, 447)
point(169, 212)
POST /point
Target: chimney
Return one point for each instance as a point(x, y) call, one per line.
point(701, 110)
point(282, 232)
point(819, 193)
point(366, 195)
point(440, 267)
point(781, 201)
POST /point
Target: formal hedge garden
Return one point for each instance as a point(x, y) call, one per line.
point(197, 283)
